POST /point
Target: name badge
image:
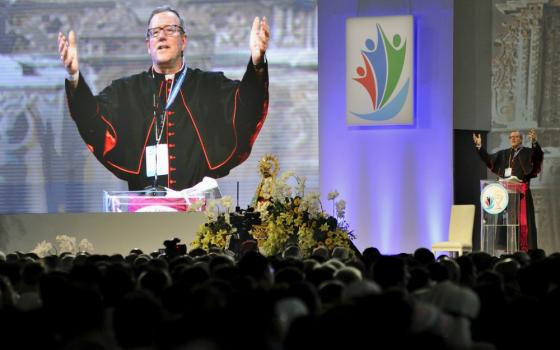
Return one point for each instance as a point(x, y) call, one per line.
point(507, 173)
point(157, 160)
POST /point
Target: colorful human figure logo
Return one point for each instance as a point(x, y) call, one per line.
point(380, 76)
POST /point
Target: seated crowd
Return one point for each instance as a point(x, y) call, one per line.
point(218, 300)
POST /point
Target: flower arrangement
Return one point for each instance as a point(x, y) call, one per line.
point(294, 217)
point(218, 230)
point(288, 216)
point(65, 243)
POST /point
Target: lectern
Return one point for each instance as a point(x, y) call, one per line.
point(499, 213)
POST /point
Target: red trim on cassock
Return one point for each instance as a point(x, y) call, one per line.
point(200, 137)
point(137, 171)
point(260, 124)
point(110, 140)
point(167, 141)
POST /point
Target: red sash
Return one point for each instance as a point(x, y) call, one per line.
point(523, 227)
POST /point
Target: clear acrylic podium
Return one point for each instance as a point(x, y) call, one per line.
point(157, 201)
point(162, 199)
point(499, 231)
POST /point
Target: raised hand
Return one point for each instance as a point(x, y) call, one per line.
point(68, 51)
point(533, 135)
point(477, 140)
point(259, 39)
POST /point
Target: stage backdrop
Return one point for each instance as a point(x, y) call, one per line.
point(44, 165)
point(397, 180)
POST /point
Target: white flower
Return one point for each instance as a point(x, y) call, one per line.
point(212, 205)
point(301, 185)
point(66, 244)
point(86, 246)
point(332, 195)
point(227, 202)
point(211, 215)
point(312, 202)
point(43, 249)
point(281, 191)
point(196, 204)
point(303, 206)
point(340, 208)
point(288, 174)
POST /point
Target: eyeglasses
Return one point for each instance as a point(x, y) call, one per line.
point(514, 136)
point(169, 30)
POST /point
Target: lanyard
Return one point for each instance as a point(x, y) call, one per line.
point(512, 157)
point(175, 89)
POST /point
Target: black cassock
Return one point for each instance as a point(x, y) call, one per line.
point(209, 129)
point(525, 165)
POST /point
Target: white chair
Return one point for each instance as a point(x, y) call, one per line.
point(460, 230)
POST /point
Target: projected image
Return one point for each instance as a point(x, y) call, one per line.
point(525, 91)
point(45, 166)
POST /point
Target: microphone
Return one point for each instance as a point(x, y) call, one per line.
point(154, 191)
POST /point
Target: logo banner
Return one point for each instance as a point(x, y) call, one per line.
point(380, 70)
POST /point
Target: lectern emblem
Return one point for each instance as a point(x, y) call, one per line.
point(494, 198)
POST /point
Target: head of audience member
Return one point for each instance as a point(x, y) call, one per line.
point(360, 289)
point(419, 278)
point(482, 261)
point(490, 280)
point(248, 246)
point(308, 294)
point(67, 262)
point(116, 282)
point(468, 270)
point(292, 251)
point(219, 261)
point(154, 281)
point(537, 254)
point(256, 266)
point(348, 275)
point(330, 293)
point(136, 251)
point(438, 272)
point(31, 274)
point(287, 310)
point(136, 320)
point(371, 254)
point(454, 299)
point(390, 272)
point(191, 276)
point(507, 268)
point(226, 272)
point(197, 252)
point(453, 269)
point(335, 263)
point(8, 295)
point(341, 253)
point(141, 261)
point(288, 275)
point(424, 256)
point(321, 253)
point(12, 258)
point(320, 274)
point(51, 262)
point(522, 258)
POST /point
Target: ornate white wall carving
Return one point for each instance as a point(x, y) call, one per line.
point(526, 94)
